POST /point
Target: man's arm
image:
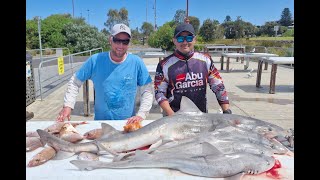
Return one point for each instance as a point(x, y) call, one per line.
point(146, 99)
point(161, 86)
point(166, 107)
point(216, 85)
point(69, 98)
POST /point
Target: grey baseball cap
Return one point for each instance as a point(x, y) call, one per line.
point(119, 28)
point(184, 27)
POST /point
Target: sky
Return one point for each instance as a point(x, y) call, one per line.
point(256, 12)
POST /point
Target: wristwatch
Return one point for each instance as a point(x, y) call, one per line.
point(228, 111)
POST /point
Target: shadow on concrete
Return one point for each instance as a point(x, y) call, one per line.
point(265, 88)
point(279, 101)
point(79, 108)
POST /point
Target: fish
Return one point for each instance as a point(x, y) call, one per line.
point(227, 140)
point(69, 133)
point(33, 143)
point(209, 163)
point(88, 156)
point(98, 133)
point(43, 156)
point(188, 122)
point(64, 148)
point(32, 134)
point(93, 134)
point(56, 127)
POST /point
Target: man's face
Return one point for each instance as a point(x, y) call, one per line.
point(119, 44)
point(184, 47)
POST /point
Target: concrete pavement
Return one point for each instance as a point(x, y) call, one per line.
point(245, 98)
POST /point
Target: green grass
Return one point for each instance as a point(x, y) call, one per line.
point(273, 38)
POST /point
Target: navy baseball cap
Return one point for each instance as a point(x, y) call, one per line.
point(184, 27)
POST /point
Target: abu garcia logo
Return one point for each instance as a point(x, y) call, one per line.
point(189, 80)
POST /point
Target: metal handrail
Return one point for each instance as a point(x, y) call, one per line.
point(70, 56)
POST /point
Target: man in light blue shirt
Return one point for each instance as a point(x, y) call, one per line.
point(116, 76)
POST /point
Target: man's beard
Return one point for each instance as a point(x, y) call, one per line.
point(119, 54)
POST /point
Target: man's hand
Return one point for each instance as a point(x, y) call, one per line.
point(64, 113)
point(134, 119)
point(227, 111)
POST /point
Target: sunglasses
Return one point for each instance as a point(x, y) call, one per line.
point(118, 41)
point(180, 39)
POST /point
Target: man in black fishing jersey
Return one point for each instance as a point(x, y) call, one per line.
point(187, 73)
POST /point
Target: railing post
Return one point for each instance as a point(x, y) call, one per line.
point(39, 75)
point(86, 101)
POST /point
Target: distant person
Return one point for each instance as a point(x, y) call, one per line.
point(116, 76)
point(187, 73)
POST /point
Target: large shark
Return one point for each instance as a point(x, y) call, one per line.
point(210, 162)
point(188, 122)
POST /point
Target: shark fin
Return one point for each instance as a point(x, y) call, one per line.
point(208, 148)
point(188, 107)
point(108, 131)
point(121, 156)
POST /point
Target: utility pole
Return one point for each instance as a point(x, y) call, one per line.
point(186, 20)
point(155, 15)
point(146, 10)
point(72, 8)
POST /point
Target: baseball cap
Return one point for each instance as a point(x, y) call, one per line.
point(184, 27)
point(119, 28)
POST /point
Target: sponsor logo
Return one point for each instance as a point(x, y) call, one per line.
point(122, 27)
point(189, 80)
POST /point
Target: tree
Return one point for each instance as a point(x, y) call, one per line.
point(208, 29)
point(228, 27)
point(286, 18)
point(146, 30)
point(32, 35)
point(105, 32)
point(195, 23)
point(136, 36)
point(83, 37)
point(163, 37)
point(228, 19)
point(116, 17)
point(268, 28)
point(52, 30)
point(179, 16)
